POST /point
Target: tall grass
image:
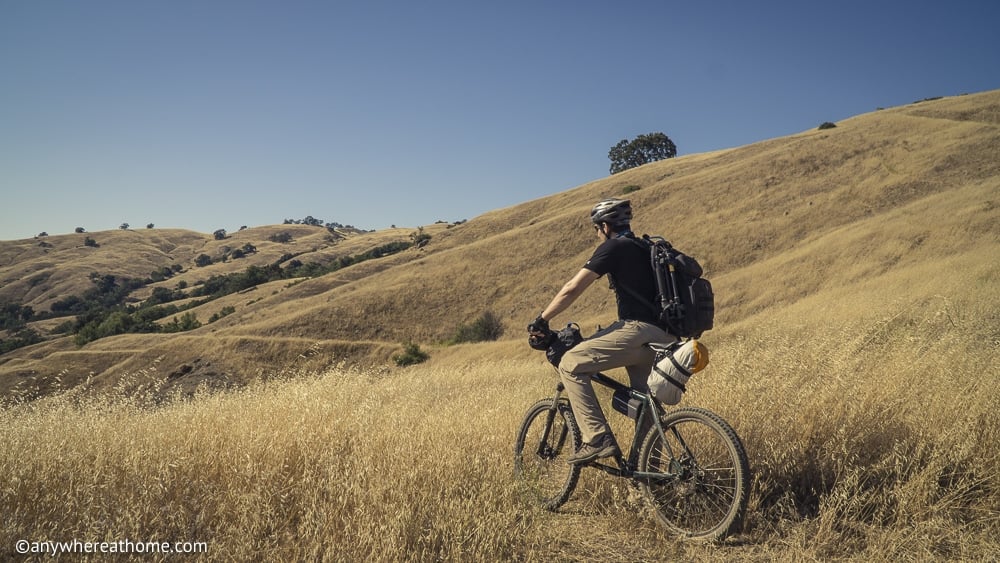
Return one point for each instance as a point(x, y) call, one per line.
point(347, 466)
point(873, 439)
point(870, 415)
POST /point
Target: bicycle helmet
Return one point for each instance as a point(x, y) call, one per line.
point(615, 212)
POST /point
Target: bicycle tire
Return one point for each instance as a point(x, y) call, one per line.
point(704, 483)
point(540, 458)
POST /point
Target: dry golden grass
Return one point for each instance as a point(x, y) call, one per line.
point(870, 419)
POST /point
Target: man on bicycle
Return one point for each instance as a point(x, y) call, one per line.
point(623, 344)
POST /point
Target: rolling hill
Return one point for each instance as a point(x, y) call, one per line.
point(901, 199)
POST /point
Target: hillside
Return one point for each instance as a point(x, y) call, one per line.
point(898, 199)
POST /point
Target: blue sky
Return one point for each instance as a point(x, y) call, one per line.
point(217, 114)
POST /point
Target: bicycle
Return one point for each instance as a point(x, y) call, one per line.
point(689, 463)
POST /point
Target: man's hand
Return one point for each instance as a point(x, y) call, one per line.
point(539, 335)
point(539, 326)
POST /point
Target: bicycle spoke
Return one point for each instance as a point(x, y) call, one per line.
point(704, 491)
point(546, 438)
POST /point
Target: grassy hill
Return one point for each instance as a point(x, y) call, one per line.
point(773, 222)
point(856, 352)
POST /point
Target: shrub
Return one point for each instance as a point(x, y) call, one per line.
point(80, 230)
point(227, 310)
point(486, 327)
point(13, 316)
point(104, 324)
point(280, 237)
point(412, 354)
point(220, 234)
point(90, 242)
point(826, 125)
point(163, 295)
point(420, 238)
point(203, 260)
point(630, 188)
point(22, 338)
point(188, 321)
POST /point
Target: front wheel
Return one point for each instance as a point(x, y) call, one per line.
point(695, 475)
point(548, 436)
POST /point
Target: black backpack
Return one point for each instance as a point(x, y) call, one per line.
point(685, 304)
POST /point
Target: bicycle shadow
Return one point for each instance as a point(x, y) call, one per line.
point(854, 474)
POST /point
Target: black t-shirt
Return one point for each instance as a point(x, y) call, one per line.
point(627, 264)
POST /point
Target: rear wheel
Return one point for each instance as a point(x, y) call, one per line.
point(701, 479)
point(547, 437)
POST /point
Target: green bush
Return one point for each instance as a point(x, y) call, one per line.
point(412, 354)
point(188, 321)
point(419, 237)
point(630, 188)
point(826, 125)
point(227, 310)
point(486, 327)
point(13, 316)
point(23, 337)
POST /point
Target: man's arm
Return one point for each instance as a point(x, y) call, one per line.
point(569, 292)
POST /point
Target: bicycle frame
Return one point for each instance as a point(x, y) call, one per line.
point(648, 409)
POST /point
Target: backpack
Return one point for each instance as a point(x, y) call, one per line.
point(685, 301)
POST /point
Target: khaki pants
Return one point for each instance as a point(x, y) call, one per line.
point(620, 345)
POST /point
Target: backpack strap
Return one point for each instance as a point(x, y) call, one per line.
point(661, 284)
point(633, 293)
